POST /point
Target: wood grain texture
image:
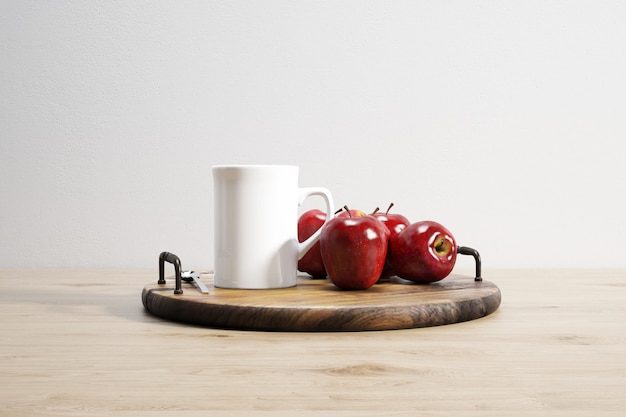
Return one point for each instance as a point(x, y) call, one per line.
point(317, 305)
point(80, 343)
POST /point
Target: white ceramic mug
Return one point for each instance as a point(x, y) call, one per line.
point(256, 225)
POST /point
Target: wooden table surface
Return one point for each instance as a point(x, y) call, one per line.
point(79, 343)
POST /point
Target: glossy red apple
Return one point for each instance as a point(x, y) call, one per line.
point(354, 250)
point(423, 252)
point(395, 223)
point(308, 223)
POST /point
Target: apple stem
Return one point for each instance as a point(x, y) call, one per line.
point(338, 211)
point(389, 208)
point(347, 209)
point(464, 250)
point(375, 210)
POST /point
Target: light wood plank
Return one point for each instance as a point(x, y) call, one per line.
point(81, 343)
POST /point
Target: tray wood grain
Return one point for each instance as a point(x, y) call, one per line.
point(317, 305)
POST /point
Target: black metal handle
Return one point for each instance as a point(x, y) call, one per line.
point(175, 260)
point(464, 250)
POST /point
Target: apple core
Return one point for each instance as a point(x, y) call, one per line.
point(442, 246)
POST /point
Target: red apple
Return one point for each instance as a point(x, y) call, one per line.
point(395, 223)
point(423, 252)
point(308, 223)
point(354, 251)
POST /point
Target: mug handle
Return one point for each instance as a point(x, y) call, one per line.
point(306, 192)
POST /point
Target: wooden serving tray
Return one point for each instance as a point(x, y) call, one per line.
point(317, 305)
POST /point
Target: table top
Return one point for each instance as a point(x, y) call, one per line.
point(79, 342)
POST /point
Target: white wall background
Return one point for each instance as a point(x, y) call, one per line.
point(503, 120)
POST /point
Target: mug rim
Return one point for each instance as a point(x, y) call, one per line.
point(253, 166)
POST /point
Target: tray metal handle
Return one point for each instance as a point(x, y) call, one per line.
point(464, 250)
point(175, 260)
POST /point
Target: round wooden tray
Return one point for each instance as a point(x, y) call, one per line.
point(317, 305)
